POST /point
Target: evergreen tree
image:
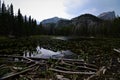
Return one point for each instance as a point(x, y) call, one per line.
point(12, 20)
point(19, 24)
point(11, 10)
point(3, 8)
point(15, 25)
point(40, 29)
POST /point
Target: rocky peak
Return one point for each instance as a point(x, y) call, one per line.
point(107, 15)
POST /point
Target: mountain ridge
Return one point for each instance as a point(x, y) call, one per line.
point(110, 15)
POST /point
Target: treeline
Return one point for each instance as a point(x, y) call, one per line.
point(16, 25)
point(106, 28)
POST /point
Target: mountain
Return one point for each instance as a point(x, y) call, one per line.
point(85, 22)
point(107, 15)
point(86, 25)
point(77, 25)
point(85, 18)
point(82, 19)
point(51, 20)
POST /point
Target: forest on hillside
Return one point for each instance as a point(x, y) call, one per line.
point(86, 25)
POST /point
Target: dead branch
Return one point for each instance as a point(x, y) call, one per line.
point(117, 50)
point(83, 67)
point(98, 73)
point(82, 63)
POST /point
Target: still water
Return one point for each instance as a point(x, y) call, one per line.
point(45, 53)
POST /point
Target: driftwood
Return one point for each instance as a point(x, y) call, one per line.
point(2, 65)
point(86, 69)
point(117, 50)
point(63, 68)
point(71, 72)
point(83, 67)
point(30, 60)
point(98, 73)
point(82, 63)
point(18, 73)
point(29, 68)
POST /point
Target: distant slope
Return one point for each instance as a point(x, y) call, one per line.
point(51, 20)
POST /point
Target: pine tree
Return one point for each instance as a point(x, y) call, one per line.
point(11, 10)
point(12, 20)
point(19, 28)
point(3, 8)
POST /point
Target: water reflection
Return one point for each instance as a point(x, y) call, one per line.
point(61, 38)
point(45, 53)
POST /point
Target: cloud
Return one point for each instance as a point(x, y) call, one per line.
point(75, 3)
point(77, 7)
point(40, 9)
point(74, 6)
point(43, 9)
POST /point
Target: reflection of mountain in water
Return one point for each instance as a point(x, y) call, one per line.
point(45, 53)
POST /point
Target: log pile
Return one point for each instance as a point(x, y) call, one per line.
point(58, 66)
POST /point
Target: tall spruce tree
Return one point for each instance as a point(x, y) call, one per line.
point(3, 8)
point(11, 10)
point(19, 24)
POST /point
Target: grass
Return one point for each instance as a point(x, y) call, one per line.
point(3, 38)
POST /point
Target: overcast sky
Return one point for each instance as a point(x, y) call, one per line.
point(43, 9)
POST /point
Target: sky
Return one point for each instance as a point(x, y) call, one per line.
point(44, 9)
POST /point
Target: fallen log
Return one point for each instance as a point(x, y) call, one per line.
point(82, 63)
point(59, 67)
point(71, 72)
point(18, 73)
point(83, 67)
point(98, 73)
point(87, 68)
point(30, 60)
point(116, 50)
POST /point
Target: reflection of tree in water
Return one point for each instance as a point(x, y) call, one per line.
point(38, 50)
